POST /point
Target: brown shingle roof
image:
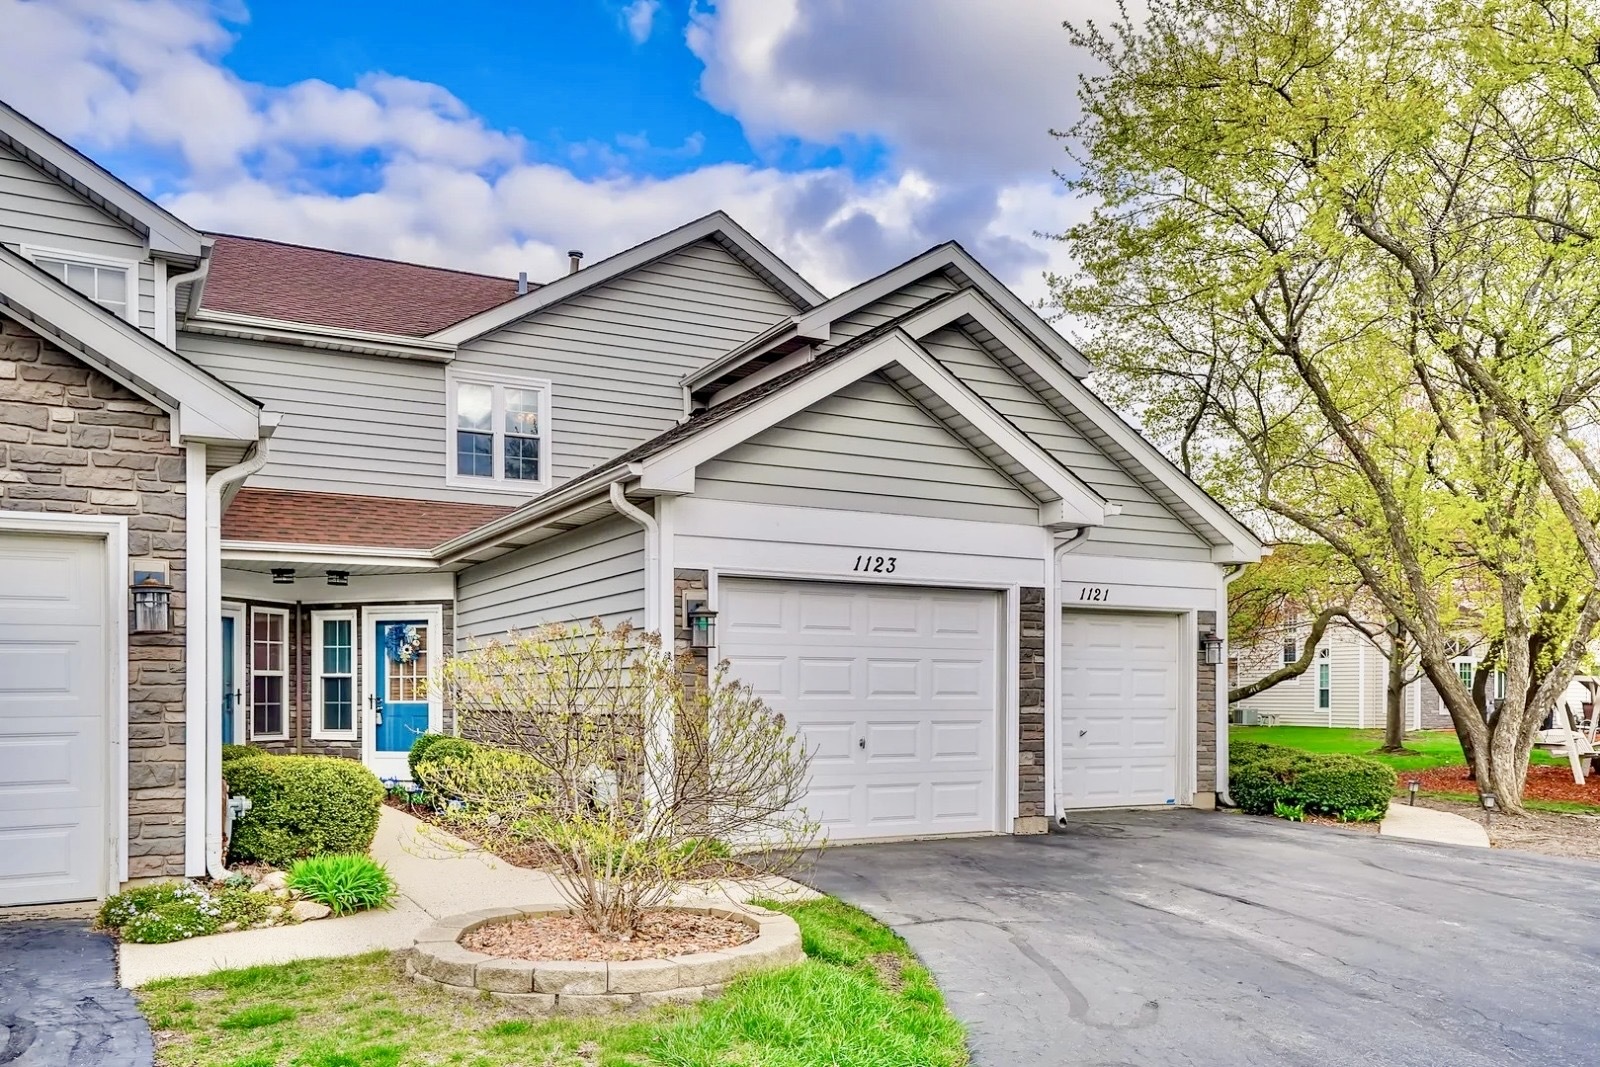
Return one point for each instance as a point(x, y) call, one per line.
point(316, 286)
point(282, 516)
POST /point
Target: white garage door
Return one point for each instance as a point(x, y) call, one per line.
point(53, 719)
point(893, 690)
point(1119, 709)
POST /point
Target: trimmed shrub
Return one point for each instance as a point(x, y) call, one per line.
point(442, 747)
point(419, 748)
point(1261, 781)
point(344, 883)
point(302, 806)
point(233, 752)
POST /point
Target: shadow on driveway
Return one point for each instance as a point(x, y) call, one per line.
point(1161, 939)
point(60, 1005)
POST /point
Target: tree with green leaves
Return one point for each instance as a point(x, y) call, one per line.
point(1344, 263)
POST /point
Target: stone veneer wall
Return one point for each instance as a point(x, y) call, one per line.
point(1205, 784)
point(301, 709)
point(1032, 805)
point(74, 441)
point(689, 584)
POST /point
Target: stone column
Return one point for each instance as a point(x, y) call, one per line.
point(1032, 804)
point(1205, 756)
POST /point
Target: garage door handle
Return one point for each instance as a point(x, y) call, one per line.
point(861, 742)
point(1082, 732)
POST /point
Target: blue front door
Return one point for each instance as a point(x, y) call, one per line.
point(229, 683)
point(401, 703)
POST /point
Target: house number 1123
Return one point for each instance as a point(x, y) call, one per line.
point(875, 564)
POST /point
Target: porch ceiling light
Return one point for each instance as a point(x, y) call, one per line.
point(702, 623)
point(1211, 646)
point(283, 576)
point(338, 577)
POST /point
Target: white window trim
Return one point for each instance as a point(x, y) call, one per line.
point(1324, 661)
point(282, 672)
point(1457, 662)
point(90, 259)
point(453, 380)
point(318, 731)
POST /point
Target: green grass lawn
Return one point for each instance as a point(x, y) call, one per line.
point(859, 999)
point(1425, 749)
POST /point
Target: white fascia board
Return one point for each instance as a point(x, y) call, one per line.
point(1080, 505)
point(615, 266)
point(207, 407)
point(817, 321)
point(1242, 545)
point(255, 327)
point(354, 555)
point(168, 234)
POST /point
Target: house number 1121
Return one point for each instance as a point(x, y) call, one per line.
point(875, 564)
point(1096, 593)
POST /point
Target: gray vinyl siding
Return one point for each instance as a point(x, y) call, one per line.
point(595, 571)
point(614, 357)
point(907, 298)
point(617, 354)
point(37, 210)
point(1357, 678)
point(1145, 529)
point(866, 448)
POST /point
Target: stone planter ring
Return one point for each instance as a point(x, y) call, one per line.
point(592, 987)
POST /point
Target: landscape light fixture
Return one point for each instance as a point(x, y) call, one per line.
point(1211, 645)
point(283, 576)
point(152, 603)
point(702, 623)
point(338, 577)
point(1411, 789)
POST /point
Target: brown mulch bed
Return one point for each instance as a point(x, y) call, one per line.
point(1549, 833)
point(533, 857)
point(1328, 820)
point(1544, 783)
point(660, 934)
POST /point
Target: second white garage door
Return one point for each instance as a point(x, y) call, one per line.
point(894, 691)
point(1119, 709)
point(53, 719)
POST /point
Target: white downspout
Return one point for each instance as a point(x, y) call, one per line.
point(653, 609)
point(215, 485)
point(173, 281)
point(1223, 796)
point(1052, 665)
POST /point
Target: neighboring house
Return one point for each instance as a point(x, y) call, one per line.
point(979, 596)
point(1347, 683)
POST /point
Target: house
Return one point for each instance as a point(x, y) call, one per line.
point(1347, 683)
point(253, 492)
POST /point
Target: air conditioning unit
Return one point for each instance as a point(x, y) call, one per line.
point(1245, 717)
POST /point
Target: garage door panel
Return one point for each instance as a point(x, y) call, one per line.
point(894, 691)
point(54, 719)
point(764, 674)
point(1119, 709)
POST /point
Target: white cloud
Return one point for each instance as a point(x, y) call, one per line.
point(126, 75)
point(639, 18)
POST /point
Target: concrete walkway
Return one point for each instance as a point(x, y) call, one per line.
point(1426, 824)
point(437, 875)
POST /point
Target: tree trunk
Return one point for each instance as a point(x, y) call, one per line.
point(1394, 731)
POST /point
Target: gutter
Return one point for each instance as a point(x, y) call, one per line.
point(216, 484)
point(1052, 678)
point(653, 609)
point(173, 281)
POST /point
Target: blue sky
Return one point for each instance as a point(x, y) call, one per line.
point(494, 135)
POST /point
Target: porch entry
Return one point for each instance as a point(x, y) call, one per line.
point(398, 702)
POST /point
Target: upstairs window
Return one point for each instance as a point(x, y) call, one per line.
point(106, 282)
point(1291, 651)
point(499, 433)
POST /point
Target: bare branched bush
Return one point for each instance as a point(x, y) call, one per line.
point(647, 778)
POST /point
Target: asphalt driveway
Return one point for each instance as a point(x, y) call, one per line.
point(60, 1005)
point(1160, 939)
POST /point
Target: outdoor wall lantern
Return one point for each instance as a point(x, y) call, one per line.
point(1211, 645)
point(338, 577)
point(283, 576)
point(152, 599)
point(702, 622)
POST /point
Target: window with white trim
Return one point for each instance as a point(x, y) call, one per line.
point(108, 283)
point(269, 647)
point(499, 432)
point(333, 673)
point(1324, 680)
point(1291, 651)
point(1465, 670)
